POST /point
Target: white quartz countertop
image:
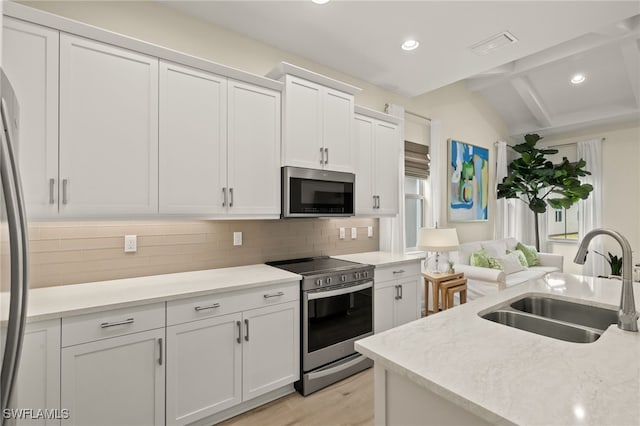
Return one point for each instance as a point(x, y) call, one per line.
point(506, 375)
point(75, 299)
point(380, 258)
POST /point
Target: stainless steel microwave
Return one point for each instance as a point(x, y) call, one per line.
point(317, 193)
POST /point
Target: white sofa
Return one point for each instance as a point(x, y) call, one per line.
point(483, 281)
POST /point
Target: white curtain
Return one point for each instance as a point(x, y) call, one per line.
point(392, 238)
point(590, 210)
point(502, 217)
point(438, 153)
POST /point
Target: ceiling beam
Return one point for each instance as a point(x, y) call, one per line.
point(631, 56)
point(532, 101)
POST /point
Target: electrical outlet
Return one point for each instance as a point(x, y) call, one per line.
point(130, 243)
point(342, 233)
point(354, 233)
point(237, 238)
point(369, 231)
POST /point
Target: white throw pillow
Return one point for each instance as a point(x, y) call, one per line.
point(510, 263)
point(495, 248)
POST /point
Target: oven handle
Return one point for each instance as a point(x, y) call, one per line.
point(338, 292)
point(336, 369)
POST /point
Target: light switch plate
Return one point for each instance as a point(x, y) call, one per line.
point(369, 231)
point(354, 233)
point(237, 238)
point(342, 233)
point(130, 243)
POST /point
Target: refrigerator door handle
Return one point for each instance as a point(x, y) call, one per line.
point(19, 251)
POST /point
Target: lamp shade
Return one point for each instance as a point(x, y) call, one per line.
point(438, 239)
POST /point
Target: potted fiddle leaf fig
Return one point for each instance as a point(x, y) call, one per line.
point(535, 180)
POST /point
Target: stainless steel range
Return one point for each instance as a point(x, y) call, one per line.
point(337, 310)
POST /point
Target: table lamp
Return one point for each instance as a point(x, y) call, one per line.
point(438, 240)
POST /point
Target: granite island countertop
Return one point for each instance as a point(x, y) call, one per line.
point(506, 375)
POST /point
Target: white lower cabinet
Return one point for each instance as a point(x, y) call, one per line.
point(38, 383)
point(228, 353)
point(396, 300)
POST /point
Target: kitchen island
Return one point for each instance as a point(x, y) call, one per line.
point(458, 368)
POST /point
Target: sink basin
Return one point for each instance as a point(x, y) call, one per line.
point(543, 326)
point(561, 310)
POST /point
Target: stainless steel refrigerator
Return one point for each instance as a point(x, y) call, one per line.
point(14, 260)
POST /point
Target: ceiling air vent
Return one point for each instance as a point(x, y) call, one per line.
point(494, 42)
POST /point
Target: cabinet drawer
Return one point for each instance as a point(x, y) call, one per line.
point(195, 308)
point(117, 322)
point(394, 272)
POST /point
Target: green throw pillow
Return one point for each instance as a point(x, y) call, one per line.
point(479, 258)
point(530, 253)
point(494, 264)
point(521, 257)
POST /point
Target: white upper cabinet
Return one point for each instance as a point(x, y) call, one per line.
point(378, 152)
point(108, 130)
point(30, 60)
point(193, 140)
point(253, 150)
point(318, 120)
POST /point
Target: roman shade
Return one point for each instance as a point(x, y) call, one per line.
point(416, 160)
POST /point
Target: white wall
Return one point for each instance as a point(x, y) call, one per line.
point(621, 185)
point(465, 115)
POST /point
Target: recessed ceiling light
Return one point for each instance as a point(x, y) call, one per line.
point(320, 1)
point(578, 78)
point(410, 45)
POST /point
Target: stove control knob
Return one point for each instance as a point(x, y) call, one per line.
point(343, 278)
point(328, 280)
point(357, 275)
point(366, 274)
point(318, 283)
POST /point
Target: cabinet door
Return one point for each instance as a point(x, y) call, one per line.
point(303, 124)
point(271, 348)
point(108, 130)
point(408, 306)
point(363, 140)
point(117, 381)
point(193, 140)
point(254, 150)
point(387, 163)
point(204, 368)
point(30, 60)
point(38, 383)
point(336, 130)
point(384, 306)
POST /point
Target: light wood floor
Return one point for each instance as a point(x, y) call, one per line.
point(349, 402)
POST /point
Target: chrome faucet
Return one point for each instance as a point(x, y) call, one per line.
point(627, 315)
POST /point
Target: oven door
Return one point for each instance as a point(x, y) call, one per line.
point(333, 319)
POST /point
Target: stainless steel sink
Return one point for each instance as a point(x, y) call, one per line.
point(561, 310)
point(559, 319)
point(543, 326)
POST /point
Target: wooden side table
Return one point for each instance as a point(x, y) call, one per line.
point(437, 280)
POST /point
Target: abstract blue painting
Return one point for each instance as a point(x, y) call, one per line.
point(468, 182)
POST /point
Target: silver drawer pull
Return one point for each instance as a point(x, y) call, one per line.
point(204, 308)
point(278, 294)
point(52, 182)
point(113, 324)
point(401, 271)
point(64, 191)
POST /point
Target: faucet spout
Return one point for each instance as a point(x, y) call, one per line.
point(627, 314)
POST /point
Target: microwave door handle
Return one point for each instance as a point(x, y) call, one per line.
point(344, 290)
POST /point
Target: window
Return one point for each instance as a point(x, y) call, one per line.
point(414, 205)
point(562, 224)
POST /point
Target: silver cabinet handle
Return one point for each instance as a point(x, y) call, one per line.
point(239, 324)
point(231, 197)
point(113, 324)
point(400, 288)
point(278, 294)
point(246, 326)
point(160, 347)
point(397, 292)
point(375, 204)
point(224, 194)
point(326, 156)
point(52, 182)
point(204, 308)
point(64, 190)
point(401, 271)
point(378, 198)
point(322, 156)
